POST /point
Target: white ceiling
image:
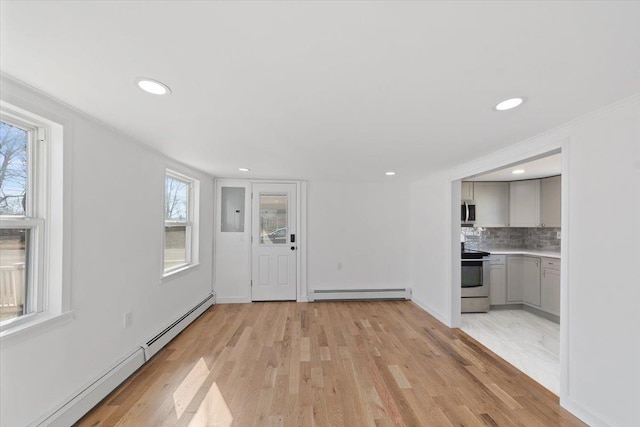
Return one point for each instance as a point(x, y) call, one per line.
point(328, 90)
point(539, 168)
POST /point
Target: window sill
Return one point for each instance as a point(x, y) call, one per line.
point(167, 277)
point(38, 323)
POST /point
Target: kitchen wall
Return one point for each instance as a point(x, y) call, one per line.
point(544, 239)
point(115, 265)
point(599, 299)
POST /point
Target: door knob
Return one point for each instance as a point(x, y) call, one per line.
point(293, 248)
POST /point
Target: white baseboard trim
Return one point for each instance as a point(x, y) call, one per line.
point(359, 294)
point(435, 313)
point(154, 344)
point(233, 300)
point(585, 415)
point(79, 404)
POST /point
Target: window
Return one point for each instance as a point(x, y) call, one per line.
point(21, 219)
point(273, 219)
point(34, 241)
point(180, 222)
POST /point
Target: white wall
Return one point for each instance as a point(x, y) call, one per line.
point(365, 227)
point(431, 245)
point(116, 212)
point(600, 314)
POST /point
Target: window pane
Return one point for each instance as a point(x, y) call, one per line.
point(14, 247)
point(273, 219)
point(232, 209)
point(176, 200)
point(13, 169)
point(175, 246)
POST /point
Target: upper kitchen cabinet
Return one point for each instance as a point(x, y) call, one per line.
point(492, 204)
point(466, 190)
point(550, 201)
point(524, 203)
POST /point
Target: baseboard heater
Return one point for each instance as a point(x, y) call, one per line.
point(359, 294)
point(91, 394)
point(154, 345)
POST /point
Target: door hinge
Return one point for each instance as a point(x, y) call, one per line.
point(252, 283)
point(251, 239)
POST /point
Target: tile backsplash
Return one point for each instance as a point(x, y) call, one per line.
point(543, 239)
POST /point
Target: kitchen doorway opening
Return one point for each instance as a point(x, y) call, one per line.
point(508, 277)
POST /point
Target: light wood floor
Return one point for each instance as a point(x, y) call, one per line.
point(332, 363)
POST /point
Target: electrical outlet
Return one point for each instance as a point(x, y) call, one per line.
point(128, 319)
point(339, 266)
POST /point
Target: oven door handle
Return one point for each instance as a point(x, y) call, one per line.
point(476, 260)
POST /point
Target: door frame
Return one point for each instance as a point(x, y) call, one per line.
point(524, 151)
point(301, 220)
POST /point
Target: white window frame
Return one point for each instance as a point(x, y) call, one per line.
point(191, 223)
point(45, 296)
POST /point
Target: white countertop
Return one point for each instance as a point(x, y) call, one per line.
point(531, 252)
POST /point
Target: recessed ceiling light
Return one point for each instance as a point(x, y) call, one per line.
point(152, 86)
point(244, 169)
point(508, 104)
point(390, 173)
point(517, 171)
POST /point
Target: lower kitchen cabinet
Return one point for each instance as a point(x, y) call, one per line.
point(531, 280)
point(514, 279)
point(551, 286)
point(498, 280)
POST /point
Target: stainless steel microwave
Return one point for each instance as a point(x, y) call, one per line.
point(468, 212)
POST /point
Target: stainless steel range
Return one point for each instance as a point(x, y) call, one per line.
point(475, 281)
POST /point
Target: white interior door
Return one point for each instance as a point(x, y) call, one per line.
point(274, 243)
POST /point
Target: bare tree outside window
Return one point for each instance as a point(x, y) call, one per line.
point(176, 197)
point(14, 242)
point(13, 169)
point(177, 223)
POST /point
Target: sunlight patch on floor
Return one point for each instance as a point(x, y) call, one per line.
point(213, 410)
point(188, 388)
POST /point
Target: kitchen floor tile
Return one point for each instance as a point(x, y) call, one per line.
point(529, 342)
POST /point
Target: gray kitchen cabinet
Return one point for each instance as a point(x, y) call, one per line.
point(550, 201)
point(514, 278)
point(498, 279)
point(531, 280)
point(466, 190)
point(492, 204)
point(524, 203)
point(551, 285)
